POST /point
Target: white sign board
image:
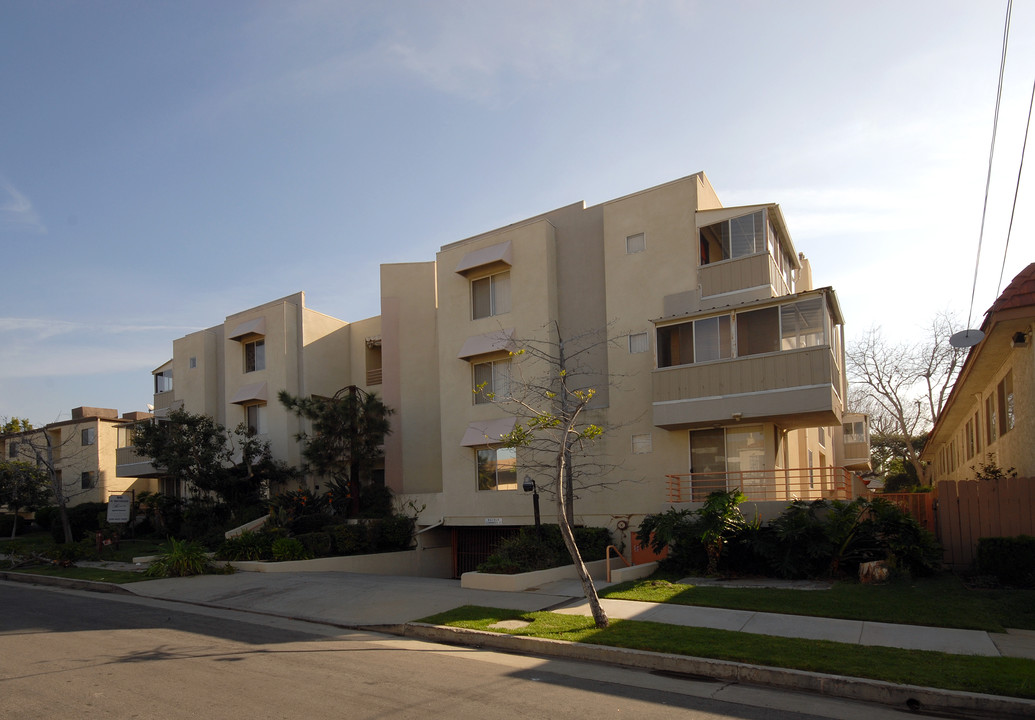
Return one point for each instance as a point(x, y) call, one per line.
point(118, 508)
point(493, 521)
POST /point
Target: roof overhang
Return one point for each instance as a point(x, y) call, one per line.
point(493, 256)
point(256, 392)
point(255, 326)
point(487, 432)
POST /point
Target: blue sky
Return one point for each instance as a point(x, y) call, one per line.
point(165, 164)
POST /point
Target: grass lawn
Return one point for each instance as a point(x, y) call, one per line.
point(1011, 677)
point(941, 601)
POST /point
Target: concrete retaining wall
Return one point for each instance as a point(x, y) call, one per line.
point(430, 562)
point(524, 581)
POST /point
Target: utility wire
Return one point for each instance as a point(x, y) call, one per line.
point(1016, 190)
point(991, 153)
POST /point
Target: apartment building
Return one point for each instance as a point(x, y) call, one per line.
point(234, 371)
point(988, 412)
point(721, 365)
point(725, 367)
point(83, 450)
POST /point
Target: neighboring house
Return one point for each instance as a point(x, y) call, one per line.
point(234, 371)
point(989, 410)
point(727, 368)
point(83, 450)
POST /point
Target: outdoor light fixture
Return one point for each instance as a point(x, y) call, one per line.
point(529, 486)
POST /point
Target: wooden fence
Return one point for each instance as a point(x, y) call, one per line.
point(972, 509)
point(919, 505)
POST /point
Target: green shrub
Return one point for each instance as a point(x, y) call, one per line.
point(311, 523)
point(247, 546)
point(1010, 559)
point(7, 525)
point(186, 558)
point(348, 539)
point(84, 519)
point(316, 544)
point(531, 550)
point(390, 534)
point(288, 549)
point(46, 516)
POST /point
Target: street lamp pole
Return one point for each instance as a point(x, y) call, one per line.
point(529, 486)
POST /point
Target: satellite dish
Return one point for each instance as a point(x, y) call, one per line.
point(966, 338)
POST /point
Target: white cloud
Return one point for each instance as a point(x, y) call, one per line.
point(16, 211)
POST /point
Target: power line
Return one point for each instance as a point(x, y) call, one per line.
point(1016, 190)
point(991, 153)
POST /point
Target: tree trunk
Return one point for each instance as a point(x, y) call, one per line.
point(590, 590)
point(59, 491)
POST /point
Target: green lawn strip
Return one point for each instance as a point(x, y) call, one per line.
point(941, 601)
point(83, 573)
point(1012, 677)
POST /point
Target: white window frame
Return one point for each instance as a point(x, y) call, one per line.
point(638, 343)
point(642, 443)
point(499, 294)
point(258, 410)
point(258, 358)
point(636, 243)
point(496, 381)
point(88, 436)
point(495, 451)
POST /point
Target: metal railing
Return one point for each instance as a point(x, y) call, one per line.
point(826, 483)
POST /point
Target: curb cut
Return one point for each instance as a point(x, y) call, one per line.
point(910, 698)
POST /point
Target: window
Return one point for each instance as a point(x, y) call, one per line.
point(192, 363)
point(969, 430)
point(638, 343)
point(88, 436)
point(491, 381)
point(635, 244)
point(712, 339)
point(1004, 393)
point(490, 295)
point(991, 424)
point(163, 381)
point(803, 324)
point(86, 480)
point(255, 355)
point(733, 238)
point(697, 341)
point(758, 331)
point(497, 469)
point(823, 436)
point(255, 419)
point(12, 450)
point(642, 444)
point(855, 432)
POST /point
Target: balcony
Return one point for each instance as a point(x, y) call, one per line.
point(741, 274)
point(817, 483)
point(794, 388)
point(130, 464)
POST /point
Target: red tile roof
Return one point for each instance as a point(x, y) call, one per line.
point(1019, 293)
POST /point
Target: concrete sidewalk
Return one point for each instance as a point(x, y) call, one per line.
point(355, 600)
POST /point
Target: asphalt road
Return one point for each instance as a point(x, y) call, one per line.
point(73, 654)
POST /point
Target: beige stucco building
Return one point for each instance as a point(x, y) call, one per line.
point(988, 412)
point(83, 450)
point(723, 366)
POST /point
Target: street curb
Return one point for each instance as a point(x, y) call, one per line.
point(71, 583)
point(910, 698)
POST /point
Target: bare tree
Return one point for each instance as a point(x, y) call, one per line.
point(903, 387)
point(550, 391)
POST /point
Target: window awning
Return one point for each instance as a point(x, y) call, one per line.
point(487, 432)
point(499, 253)
point(496, 341)
point(256, 326)
point(255, 392)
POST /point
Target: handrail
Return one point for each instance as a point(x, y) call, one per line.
point(763, 485)
point(607, 555)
